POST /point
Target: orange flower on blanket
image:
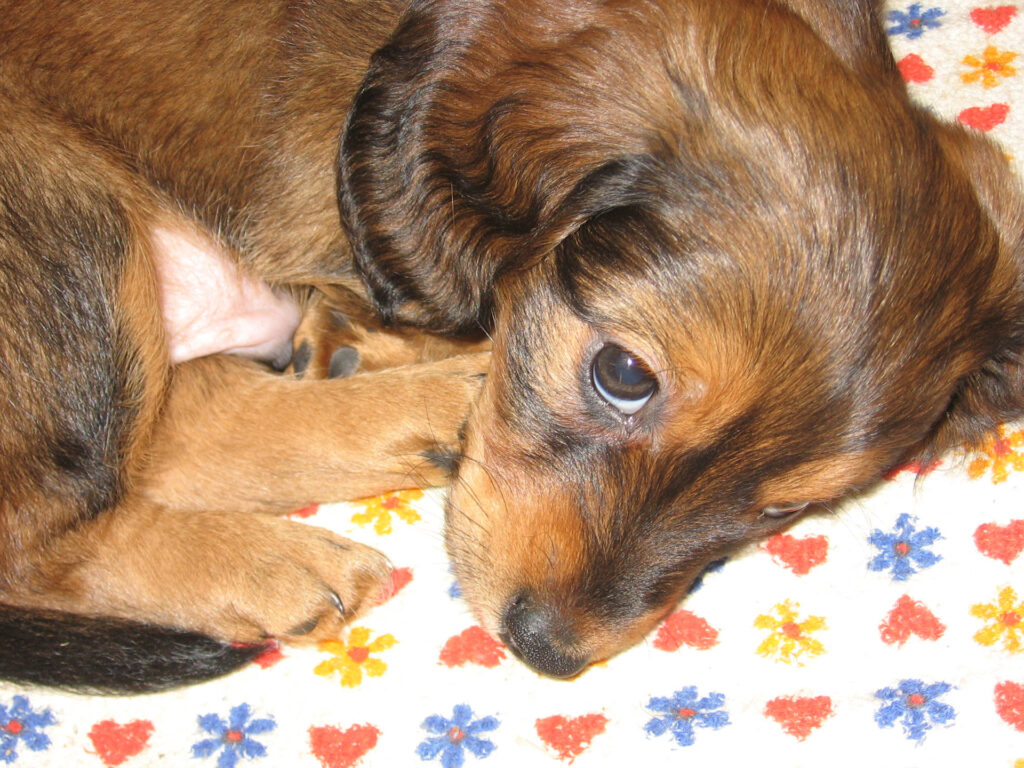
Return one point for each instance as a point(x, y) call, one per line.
point(993, 65)
point(1000, 453)
point(789, 638)
point(1005, 619)
point(379, 510)
point(351, 659)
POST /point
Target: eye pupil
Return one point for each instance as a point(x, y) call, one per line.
point(622, 380)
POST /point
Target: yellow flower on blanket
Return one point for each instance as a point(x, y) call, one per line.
point(379, 510)
point(1000, 453)
point(351, 659)
point(993, 65)
point(1006, 621)
point(790, 638)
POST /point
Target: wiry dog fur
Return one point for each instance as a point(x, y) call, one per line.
point(814, 278)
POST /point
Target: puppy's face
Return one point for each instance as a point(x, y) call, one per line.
point(722, 288)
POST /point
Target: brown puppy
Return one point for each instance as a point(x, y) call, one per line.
point(729, 271)
point(166, 194)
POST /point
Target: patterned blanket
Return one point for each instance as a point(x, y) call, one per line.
point(890, 634)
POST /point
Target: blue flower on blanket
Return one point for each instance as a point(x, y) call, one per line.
point(683, 712)
point(916, 706)
point(456, 736)
point(20, 724)
point(905, 550)
point(914, 21)
point(233, 738)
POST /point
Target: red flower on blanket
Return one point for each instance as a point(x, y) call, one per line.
point(380, 509)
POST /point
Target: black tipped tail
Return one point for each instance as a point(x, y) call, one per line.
point(99, 655)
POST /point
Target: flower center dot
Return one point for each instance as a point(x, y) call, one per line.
point(686, 714)
point(233, 736)
point(1011, 618)
point(456, 734)
point(14, 727)
point(915, 700)
point(791, 630)
point(358, 654)
point(902, 548)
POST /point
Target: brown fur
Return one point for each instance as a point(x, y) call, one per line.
point(821, 278)
point(129, 486)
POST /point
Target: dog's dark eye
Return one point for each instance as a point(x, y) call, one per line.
point(784, 510)
point(622, 379)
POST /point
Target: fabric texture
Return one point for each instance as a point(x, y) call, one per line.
point(889, 634)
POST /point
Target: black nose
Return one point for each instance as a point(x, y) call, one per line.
point(541, 638)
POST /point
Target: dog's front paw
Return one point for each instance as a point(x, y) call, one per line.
point(304, 584)
point(235, 576)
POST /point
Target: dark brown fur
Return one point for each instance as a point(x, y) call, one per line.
point(822, 278)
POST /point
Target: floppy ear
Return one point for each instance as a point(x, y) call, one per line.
point(853, 30)
point(992, 394)
point(484, 132)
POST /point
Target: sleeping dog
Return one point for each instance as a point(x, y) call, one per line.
point(729, 272)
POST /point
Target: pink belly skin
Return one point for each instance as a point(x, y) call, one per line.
point(210, 305)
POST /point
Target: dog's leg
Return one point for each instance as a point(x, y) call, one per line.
point(234, 433)
point(181, 548)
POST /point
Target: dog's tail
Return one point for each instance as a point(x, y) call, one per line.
point(99, 655)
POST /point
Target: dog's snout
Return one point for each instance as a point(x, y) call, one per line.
point(541, 637)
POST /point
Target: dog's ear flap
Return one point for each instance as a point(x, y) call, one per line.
point(853, 30)
point(475, 144)
point(993, 394)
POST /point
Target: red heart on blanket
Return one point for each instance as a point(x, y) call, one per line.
point(115, 742)
point(799, 716)
point(916, 467)
point(910, 618)
point(993, 20)
point(1000, 542)
point(335, 748)
point(914, 70)
point(685, 628)
point(569, 737)
point(396, 581)
point(305, 512)
point(1010, 703)
point(472, 646)
point(984, 118)
point(799, 555)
